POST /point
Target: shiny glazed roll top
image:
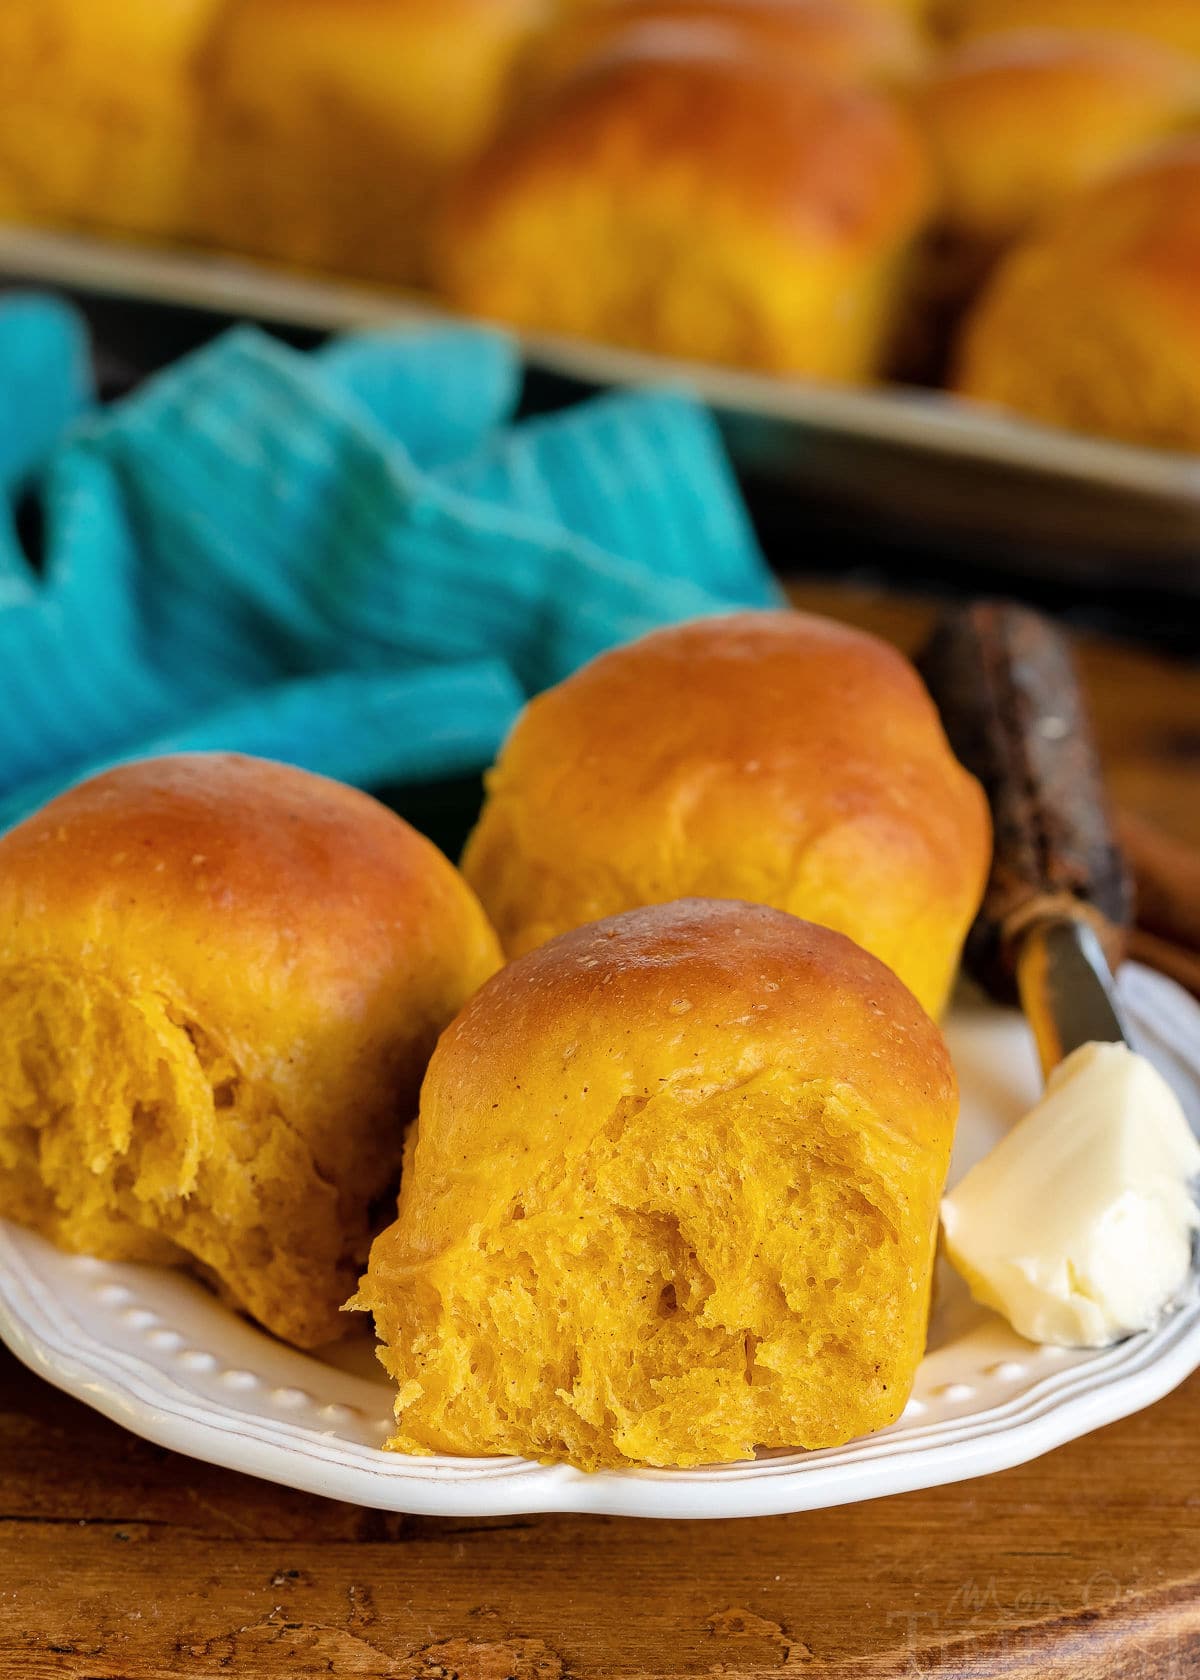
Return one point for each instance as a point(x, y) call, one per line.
point(769, 756)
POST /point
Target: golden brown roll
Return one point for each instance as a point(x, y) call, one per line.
point(841, 41)
point(1021, 121)
point(332, 125)
point(702, 204)
point(1175, 23)
point(673, 1197)
point(768, 756)
point(220, 981)
point(1094, 322)
point(97, 111)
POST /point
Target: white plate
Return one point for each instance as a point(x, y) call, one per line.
point(1059, 502)
point(156, 1351)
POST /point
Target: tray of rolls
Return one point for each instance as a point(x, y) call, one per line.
point(935, 260)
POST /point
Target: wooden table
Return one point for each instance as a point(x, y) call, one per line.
point(120, 1561)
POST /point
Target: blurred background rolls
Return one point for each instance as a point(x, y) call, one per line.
point(98, 116)
point(1095, 321)
point(808, 188)
point(709, 206)
point(332, 125)
point(1022, 120)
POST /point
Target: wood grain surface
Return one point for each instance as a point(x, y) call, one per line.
point(121, 1561)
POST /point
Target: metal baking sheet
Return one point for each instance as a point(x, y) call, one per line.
point(966, 477)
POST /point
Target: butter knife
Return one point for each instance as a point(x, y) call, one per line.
point(1058, 904)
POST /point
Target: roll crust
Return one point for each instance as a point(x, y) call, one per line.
point(221, 980)
point(673, 1196)
point(773, 756)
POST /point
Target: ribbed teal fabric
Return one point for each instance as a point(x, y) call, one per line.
point(352, 560)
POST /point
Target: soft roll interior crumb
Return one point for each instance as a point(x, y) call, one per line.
point(131, 1134)
point(708, 1277)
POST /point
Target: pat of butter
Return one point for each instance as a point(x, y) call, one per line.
point(1078, 1225)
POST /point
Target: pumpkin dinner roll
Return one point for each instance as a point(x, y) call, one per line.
point(1094, 321)
point(332, 126)
point(98, 111)
point(220, 982)
point(673, 1197)
point(770, 756)
point(1021, 121)
point(699, 199)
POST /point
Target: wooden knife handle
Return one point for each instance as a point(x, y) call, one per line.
point(1005, 683)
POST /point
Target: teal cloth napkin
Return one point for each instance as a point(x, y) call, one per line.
point(353, 560)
